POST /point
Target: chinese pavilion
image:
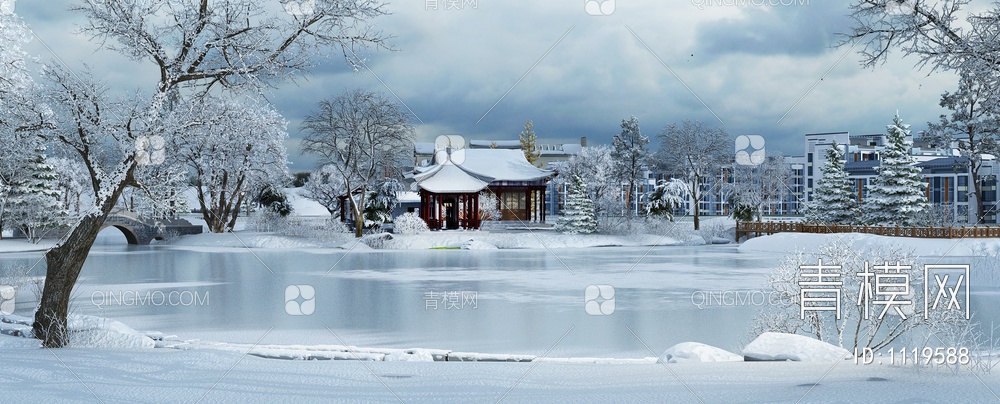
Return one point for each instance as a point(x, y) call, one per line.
point(449, 191)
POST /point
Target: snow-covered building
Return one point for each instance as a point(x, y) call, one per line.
point(949, 182)
point(552, 155)
point(449, 190)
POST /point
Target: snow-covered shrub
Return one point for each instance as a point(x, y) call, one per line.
point(409, 224)
point(938, 215)
point(314, 228)
point(489, 206)
point(716, 229)
point(617, 226)
point(266, 220)
point(506, 240)
point(985, 265)
point(377, 241)
point(853, 329)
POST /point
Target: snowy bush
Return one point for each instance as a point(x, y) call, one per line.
point(377, 241)
point(489, 206)
point(716, 229)
point(266, 220)
point(409, 224)
point(328, 229)
point(853, 329)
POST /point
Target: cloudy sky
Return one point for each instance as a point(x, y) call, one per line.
point(767, 67)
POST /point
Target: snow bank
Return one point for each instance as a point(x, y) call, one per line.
point(528, 240)
point(686, 352)
point(243, 239)
point(85, 332)
point(478, 245)
point(9, 245)
point(302, 206)
point(794, 242)
point(776, 346)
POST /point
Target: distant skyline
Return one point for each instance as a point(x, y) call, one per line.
point(480, 68)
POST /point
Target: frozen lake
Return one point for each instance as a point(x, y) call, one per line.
point(498, 301)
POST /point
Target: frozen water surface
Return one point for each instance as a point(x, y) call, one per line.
point(501, 301)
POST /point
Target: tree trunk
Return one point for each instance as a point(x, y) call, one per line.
point(697, 202)
point(63, 265)
point(359, 218)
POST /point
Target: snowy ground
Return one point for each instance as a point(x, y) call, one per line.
point(794, 242)
point(230, 374)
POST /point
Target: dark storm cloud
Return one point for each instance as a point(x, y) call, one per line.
point(480, 72)
point(798, 30)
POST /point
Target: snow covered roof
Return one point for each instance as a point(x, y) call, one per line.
point(500, 144)
point(500, 164)
point(449, 178)
point(423, 147)
point(476, 169)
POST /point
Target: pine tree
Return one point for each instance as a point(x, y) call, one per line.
point(578, 215)
point(628, 149)
point(35, 202)
point(896, 195)
point(834, 200)
point(529, 146)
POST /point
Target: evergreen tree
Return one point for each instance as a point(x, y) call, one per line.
point(529, 146)
point(578, 215)
point(35, 201)
point(896, 195)
point(834, 200)
point(628, 149)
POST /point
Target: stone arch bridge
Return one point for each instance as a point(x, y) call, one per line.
point(142, 230)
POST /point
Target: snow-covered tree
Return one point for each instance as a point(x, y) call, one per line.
point(233, 149)
point(694, 152)
point(896, 196)
point(630, 156)
point(72, 184)
point(194, 46)
point(578, 216)
point(162, 194)
point(35, 199)
point(859, 325)
point(325, 186)
point(761, 185)
point(365, 138)
point(940, 33)
point(529, 146)
point(596, 167)
point(973, 125)
point(834, 199)
point(381, 201)
point(665, 197)
point(489, 206)
point(16, 88)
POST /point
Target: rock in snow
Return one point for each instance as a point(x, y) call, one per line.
point(686, 352)
point(775, 346)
